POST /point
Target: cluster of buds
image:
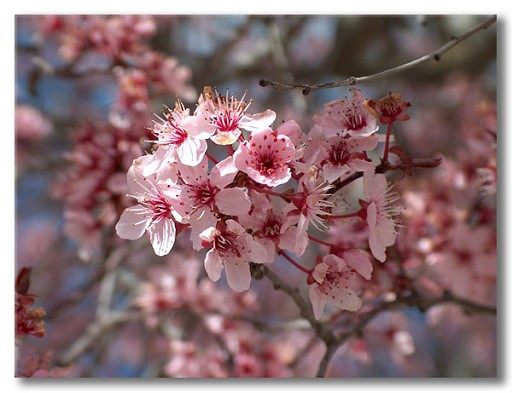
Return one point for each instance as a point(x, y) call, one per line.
point(274, 185)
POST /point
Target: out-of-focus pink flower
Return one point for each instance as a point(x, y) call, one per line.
point(154, 213)
point(189, 361)
point(332, 281)
point(29, 320)
point(379, 213)
point(133, 90)
point(232, 248)
point(30, 124)
point(265, 157)
point(32, 364)
point(167, 75)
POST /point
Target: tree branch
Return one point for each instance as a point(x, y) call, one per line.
point(384, 167)
point(432, 56)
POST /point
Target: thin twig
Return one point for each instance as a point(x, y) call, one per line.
point(432, 56)
point(95, 331)
point(383, 168)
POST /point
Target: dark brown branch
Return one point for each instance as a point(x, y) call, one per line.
point(418, 302)
point(383, 168)
point(305, 310)
point(333, 342)
point(432, 56)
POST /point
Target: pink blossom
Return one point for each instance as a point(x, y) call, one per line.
point(341, 117)
point(225, 117)
point(30, 124)
point(232, 248)
point(332, 281)
point(204, 195)
point(154, 213)
point(265, 157)
point(176, 141)
point(380, 213)
point(313, 201)
point(343, 156)
point(273, 227)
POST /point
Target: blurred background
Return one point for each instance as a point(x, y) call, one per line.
point(86, 91)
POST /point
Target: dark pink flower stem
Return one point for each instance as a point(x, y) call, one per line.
point(212, 158)
point(388, 136)
point(320, 241)
point(295, 263)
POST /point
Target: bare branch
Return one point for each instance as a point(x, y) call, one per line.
point(384, 167)
point(95, 331)
point(432, 56)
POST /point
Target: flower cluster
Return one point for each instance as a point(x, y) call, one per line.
point(175, 292)
point(275, 184)
point(93, 186)
point(29, 320)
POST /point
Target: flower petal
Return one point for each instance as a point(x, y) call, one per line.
point(162, 235)
point(233, 201)
point(258, 121)
point(346, 299)
point(133, 222)
point(223, 173)
point(359, 260)
point(192, 151)
point(238, 274)
point(318, 301)
point(213, 265)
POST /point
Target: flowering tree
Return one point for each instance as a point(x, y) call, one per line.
point(334, 230)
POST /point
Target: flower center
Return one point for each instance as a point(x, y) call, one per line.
point(225, 243)
point(391, 108)
point(204, 193)
point(177, 136)
point(339, 154)
point(266, 164)
point(170, 132)
point(354, 119)
point(272, 228)
point(227, 121)
point(160, 208)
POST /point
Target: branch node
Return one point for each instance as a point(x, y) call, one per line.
point(263, 83)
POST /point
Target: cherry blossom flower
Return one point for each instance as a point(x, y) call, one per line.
point(176, 141)
point(389, 108)
point(225, 117)
point(232, 248)
point(203, 195)
point(265, 157)
point(348, 240)
point(332, 281)
point(30, 124)
point(154, 213)
point(312, 201)
point(344, 156)
point(273, 227)
point(380, 213)
point(342, 117)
